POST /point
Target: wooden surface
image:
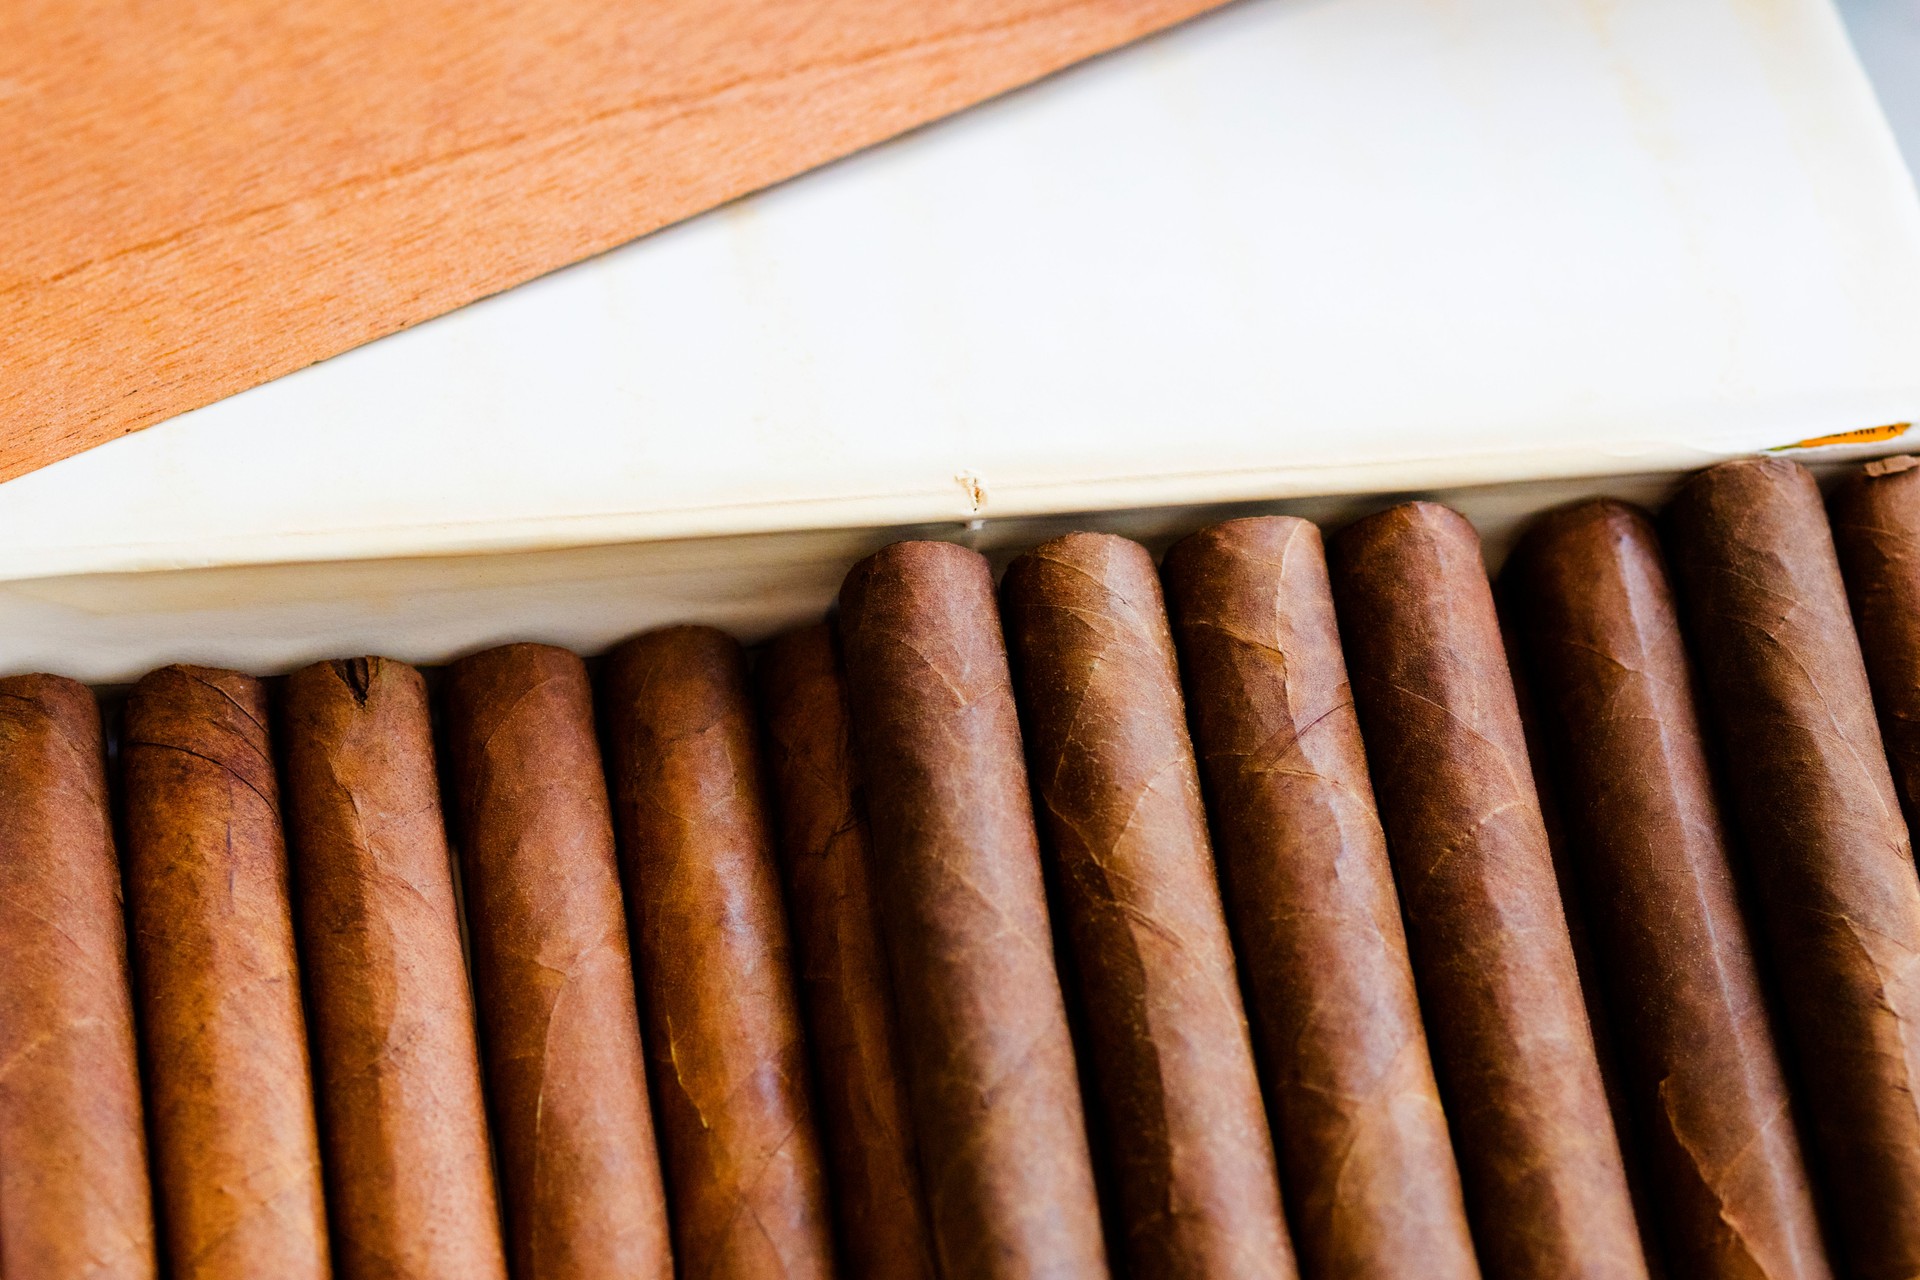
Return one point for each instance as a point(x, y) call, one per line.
point(200, 195)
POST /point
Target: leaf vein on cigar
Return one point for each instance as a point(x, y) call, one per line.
point(81, 955)
point(1008, 928)
point(25, 1052)
point(237, 704)
point(1453, 846)
point(680, 1078)
point(1265, 757)
point(743, 1199)
point(1506, 765)
point(1838, 735)
point(1141, 795)
point(505, 716)
point(904, 641)
point(219, 764)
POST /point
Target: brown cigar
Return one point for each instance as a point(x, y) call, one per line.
point(990, 1067)
point(230, 1103)
point(729, 1065)
point(409, 1174)
point(1816, 812)
point(73, 1153)
point(824, 849)
point(1512, 1047)
point(1876, 529)
point(553, 978)
point(1606, 1048)
point(1368, 1163)
point(1119, 801)
point(1651, 871)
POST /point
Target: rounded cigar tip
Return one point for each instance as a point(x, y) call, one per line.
point(921, 555)
point(189, 671)
point(1084, 542)
point(236, 684)
point(1271, 531)
point(684, 674)
point(683, 642)
point(164, 701)
point(1607, 521)
point(48, 697)
point(1259, 535)
point(508, 656)
point(1749, 502)
point(1743, 475)
point(913, 561)
point(669, 661)
point(1882, 479)
point(1093, 552)
point(1419, 516)
point(518, 649)
point(357, 675)
point(35, 685)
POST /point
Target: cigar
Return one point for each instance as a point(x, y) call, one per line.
point(991, 1075)
point(73, 1150)
point(236, 1158)
point(1876, 530)
point(1606, 1048)
point(742, 1158)
point(1119, 803)
point(1652, 873)
point(1366, 1158)
point(1512, 1049)
point(824, 847)
point(1816, 812)
point(408, 1171)
point(553, 979)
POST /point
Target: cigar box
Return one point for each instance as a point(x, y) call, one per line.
point(1292, 256)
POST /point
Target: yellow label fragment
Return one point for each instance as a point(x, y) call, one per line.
point(1864, 435)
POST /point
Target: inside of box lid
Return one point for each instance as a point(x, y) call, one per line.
point(1288, 249)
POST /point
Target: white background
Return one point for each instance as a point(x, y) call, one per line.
point(1887, 35)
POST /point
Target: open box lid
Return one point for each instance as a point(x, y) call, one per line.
point(1294, 247)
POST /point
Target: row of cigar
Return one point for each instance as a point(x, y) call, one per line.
point(1252, 916)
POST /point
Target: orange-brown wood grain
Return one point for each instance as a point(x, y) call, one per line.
point(201, 195)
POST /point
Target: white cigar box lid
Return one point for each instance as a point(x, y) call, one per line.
point(1295, 248)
